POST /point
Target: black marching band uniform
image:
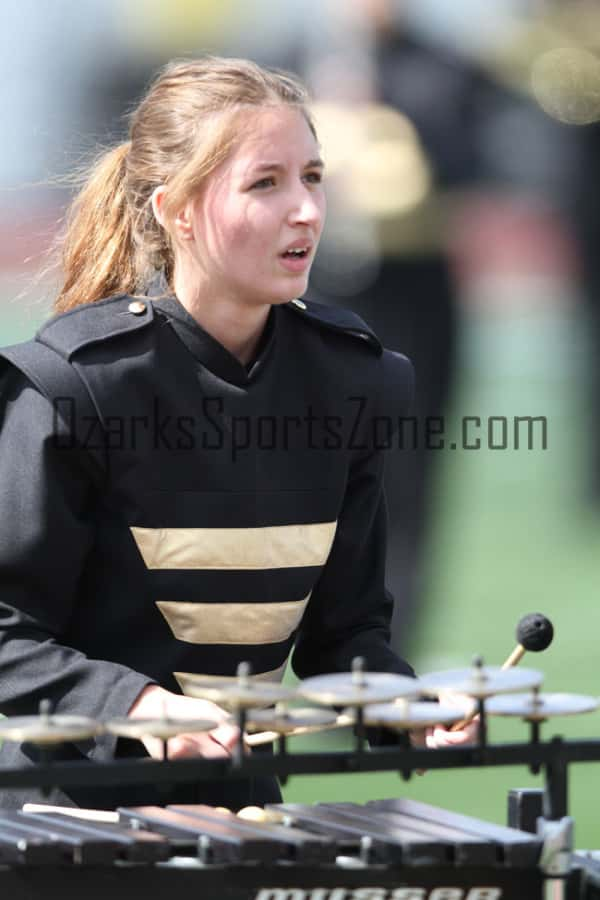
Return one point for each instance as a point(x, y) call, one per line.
point(166, 509)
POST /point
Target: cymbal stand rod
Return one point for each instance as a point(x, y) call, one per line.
point(282, 747)
point(534, 739)
point(165, 740)
point(237, 756)
point(165, 789)
point(359, 681)
point(479, 676)
point(535, 727)
point(482, 731)
point(403, 740)
point(557, 783)
point(359, 729)
point(45, 752)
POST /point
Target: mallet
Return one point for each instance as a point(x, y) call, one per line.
point(534, 633)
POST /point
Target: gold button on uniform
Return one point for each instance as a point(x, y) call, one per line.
point(299, 303)
point(137, 307)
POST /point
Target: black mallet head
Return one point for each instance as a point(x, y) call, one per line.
point(535, 632)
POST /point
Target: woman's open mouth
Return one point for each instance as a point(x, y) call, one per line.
point(296, 259)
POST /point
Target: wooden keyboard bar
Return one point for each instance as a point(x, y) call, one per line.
point(222, 843)
point(388, 844)
point(128, 845)
point(298, 846)
point(519, 848)
point(463, 849)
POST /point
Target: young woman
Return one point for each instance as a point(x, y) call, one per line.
point(190, 456)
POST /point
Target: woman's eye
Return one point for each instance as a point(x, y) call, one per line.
point(269, 181)
point(264, 182)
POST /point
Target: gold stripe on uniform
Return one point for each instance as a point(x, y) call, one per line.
point(232, 623)
point(271, 547)
point(275, 675)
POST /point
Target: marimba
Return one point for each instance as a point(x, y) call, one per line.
point(384, 850)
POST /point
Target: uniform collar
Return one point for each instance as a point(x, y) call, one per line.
point(207, 350)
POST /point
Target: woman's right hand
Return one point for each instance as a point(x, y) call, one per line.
point(155, 702)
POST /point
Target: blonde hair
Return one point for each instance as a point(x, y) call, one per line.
point(181, 130)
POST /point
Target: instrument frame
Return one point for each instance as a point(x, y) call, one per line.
point(553, 756)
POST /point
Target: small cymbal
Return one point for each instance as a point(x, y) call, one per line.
point(48, 729)
point(480, 681)
point(536, 707)
point(235, 692)
point(158, 728)
point(288, 720)
point(403, 714)
point(358, 688)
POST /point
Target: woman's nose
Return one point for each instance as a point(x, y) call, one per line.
point(307, 208)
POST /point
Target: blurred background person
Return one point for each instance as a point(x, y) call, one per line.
point(410, 129)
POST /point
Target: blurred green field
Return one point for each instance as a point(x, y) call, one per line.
point(512, 534)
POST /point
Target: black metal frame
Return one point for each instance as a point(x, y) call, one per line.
point(553, 756)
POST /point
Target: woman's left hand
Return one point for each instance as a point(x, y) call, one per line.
point(439, 736)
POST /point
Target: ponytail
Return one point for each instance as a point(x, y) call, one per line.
point(98, 250)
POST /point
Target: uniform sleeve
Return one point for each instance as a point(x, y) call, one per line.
point(350, 610)
point(46, 531)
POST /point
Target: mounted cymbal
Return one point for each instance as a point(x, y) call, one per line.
point(535, 707)
point(49, 729)
point(357, 688)
point(158, 728)
point(480, 681)
point(235, 693)
point(402, 714)
point(231, 694)
point(288, 720)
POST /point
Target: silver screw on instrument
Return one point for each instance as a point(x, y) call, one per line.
point(204, 846)
point(478, 669)
point(45, 711)
point(366, 843)
point(358, 672)
point(243, 673)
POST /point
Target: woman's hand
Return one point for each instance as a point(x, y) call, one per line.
point(439, 736)
point(155, 703)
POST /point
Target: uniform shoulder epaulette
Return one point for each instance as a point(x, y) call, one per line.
point(61, 384)
point(91, 323)
point(334, 318)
